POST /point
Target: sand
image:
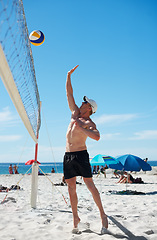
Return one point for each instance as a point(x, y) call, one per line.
point(130, 216)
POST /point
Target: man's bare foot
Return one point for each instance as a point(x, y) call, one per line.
point(76, 221)
point(104, 221)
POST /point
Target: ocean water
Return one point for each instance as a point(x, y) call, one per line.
point(152, 163)
point(22, 168)
point(46, 167)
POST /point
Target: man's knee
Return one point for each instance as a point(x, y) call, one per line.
point(71, 184)
point(89, 183)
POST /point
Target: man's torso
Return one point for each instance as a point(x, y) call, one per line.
point(75, 138)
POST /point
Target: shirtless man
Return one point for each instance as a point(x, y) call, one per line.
point(76, 158)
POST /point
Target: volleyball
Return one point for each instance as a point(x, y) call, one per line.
point(37, 37)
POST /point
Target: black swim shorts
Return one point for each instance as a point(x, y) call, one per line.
point(77, 164)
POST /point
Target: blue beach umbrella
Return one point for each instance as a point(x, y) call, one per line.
point(112, 163)
point(97, 161)
point(133, 163)
point(102, 160)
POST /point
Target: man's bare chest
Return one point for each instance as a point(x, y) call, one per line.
point(81, 122)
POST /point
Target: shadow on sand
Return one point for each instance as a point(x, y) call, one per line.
point(127, 234)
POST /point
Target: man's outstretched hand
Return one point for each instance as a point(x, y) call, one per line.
point(72, 70)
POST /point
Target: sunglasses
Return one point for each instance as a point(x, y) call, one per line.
point(85, 102)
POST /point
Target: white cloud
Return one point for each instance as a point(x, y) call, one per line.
point(115, 118)
point(7, 117)
point(9, 138)
point(53, 154)
point(51, 149)
point(142, 135)
point(145, 135)
point(109, 136)
point(142, 152)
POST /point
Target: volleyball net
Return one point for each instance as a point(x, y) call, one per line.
point(17, 66)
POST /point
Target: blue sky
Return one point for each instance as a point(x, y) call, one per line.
point(114, 43)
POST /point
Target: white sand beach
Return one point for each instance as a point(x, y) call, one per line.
point(130, 216)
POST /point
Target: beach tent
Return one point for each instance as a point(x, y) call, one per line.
point(97, 161)
point(102, 160)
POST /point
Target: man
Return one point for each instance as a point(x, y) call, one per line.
point(76, 159)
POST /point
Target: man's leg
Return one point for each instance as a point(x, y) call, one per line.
point(96, 196)
point(73, 199)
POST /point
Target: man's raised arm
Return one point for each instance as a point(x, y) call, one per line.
point(69, 90)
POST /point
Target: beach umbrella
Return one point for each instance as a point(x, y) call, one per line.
point(97, 161)
point(112, 162)
point(102, 160)
point(30, 162)
point(133, 163)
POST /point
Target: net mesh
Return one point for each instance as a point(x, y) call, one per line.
point(15, 43)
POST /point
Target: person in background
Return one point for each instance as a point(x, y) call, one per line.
point(52, 170)
point(94, 170)
point(10, 169)
point(129, 179)
point(97, 168)
point(15, 169)
point(146, 159)
point(103, 170)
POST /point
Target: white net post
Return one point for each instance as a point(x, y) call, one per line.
point(34, 185)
